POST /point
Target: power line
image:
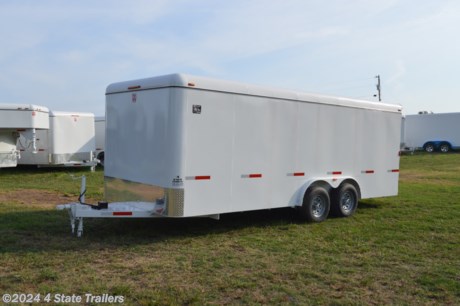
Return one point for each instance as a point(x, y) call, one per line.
point(342, 86)
point(339, 84)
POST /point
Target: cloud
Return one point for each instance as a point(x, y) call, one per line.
point(53, 47)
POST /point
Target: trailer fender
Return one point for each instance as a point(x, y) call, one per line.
point(437, 145)
point(328, 183)
point(353, 182)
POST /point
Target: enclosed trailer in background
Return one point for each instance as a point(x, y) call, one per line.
point(432, 132)
point(187, 146)
point(19, 119)
point(99, 125)
point(403, 128)
point(69, 142)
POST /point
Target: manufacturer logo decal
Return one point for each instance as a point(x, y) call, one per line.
point(133, 98)
point(196, 109)
point(177, 181)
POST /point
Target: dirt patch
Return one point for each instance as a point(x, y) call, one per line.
point(426, 178)
point(35, 197)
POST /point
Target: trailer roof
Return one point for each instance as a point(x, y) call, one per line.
point(27, 107)
point(69, 114)
point(203, 83)
point(433, 115)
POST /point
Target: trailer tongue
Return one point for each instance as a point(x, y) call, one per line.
point(135, 209)
point(79, 210)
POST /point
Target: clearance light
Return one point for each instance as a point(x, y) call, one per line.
point(122, 213)
point(198, 177)
point(252, 175)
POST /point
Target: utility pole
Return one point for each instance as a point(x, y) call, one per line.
point(378, 87)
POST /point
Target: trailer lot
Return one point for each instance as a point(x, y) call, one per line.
point(397, 250)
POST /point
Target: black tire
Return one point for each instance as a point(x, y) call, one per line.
point(429, 147)
point(444, 147)
point(101, 159)
point(316, 205)
point(344, 201)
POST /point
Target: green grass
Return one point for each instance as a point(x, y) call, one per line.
point(397, 250)
point(62, 180)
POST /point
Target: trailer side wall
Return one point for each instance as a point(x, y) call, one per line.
point(225, 152)
point(424, 128)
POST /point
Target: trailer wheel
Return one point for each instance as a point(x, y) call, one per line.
point(101, 158)
point(444, 148)
point(429, 147)
point(316, 205)
point(345, 201)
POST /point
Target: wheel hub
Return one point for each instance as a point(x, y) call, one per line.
point(318, 206)
point(347, 201)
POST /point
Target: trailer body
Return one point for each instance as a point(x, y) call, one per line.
point(99, 125)
point(201, 146)
point(19, 119)
point(69, 142)
point(432, 132)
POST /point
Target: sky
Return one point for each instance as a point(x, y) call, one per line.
point(63, 54)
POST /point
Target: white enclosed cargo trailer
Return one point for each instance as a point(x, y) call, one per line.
point(403, 124)
point(19, 119)
point(432, 132)
point(69, 142)
point(187, 146)
point(99, 125)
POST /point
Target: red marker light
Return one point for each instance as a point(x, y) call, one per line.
point(122, 213)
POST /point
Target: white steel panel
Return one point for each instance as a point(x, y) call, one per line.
point(377, 150)
point(208, 152)
point(251, 153)
point(71, 133)
point(144, 136)
point(283, 132)
point(99, 127)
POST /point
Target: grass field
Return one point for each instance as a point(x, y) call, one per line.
point(398, 250)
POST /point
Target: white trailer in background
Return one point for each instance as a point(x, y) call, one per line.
point(403, 128)
point(19, 119)
point(432, 132)
point(188, 146)
point(69, 142)
point(99, 125)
